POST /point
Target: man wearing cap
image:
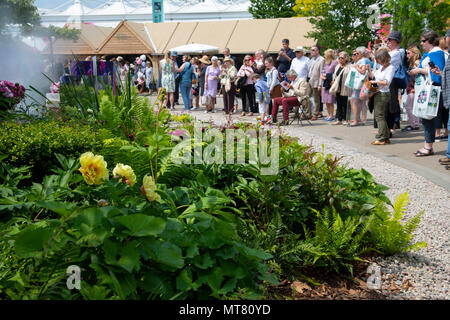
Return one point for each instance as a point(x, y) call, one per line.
point(176, 94)
point(397, 56)
point(315, 72)
point(300, 64)
point(285, 56)
point(445, 74)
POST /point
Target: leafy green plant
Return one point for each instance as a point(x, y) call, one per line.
point(388, 234)
point(184, 246)
point(34, 144)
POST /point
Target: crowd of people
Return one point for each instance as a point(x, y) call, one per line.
point(371, 79)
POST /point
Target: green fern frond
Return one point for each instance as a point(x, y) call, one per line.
point(400, 206)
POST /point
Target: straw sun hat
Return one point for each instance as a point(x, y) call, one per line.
point(228, 59)
point(205, 60)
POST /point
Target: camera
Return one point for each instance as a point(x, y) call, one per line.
point(432, 65)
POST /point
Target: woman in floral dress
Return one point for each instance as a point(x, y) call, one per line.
point(168, 78)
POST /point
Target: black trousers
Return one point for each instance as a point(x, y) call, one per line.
point(393, 111)
point(249, 99)
point(176, 94)
point(341, 109)
point(441, 119)
point(228, 98)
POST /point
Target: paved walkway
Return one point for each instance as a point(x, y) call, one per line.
point(399, 152)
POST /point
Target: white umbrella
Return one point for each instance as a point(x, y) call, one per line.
point(195, 48)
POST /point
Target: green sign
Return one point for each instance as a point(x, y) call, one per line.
point(158, 11)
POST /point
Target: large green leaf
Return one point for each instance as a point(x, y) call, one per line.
point(141, 225)
point(164, 252)
point(30, 241)
point(61, 208)
point(184, 280)
point(129, 257)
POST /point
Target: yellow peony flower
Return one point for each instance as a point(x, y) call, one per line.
point(93, 168)
point(149, 189)
point(126, 173)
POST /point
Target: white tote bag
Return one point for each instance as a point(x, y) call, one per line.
point(426, 97)
point(206, 100)
point(355, 79)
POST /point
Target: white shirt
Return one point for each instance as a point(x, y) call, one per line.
point(272, 78)
point(385, 74)
point(396, 57)
point(148, 75)
point(300, 66)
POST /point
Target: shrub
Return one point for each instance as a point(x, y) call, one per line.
point(34, 144)
point(183, 246)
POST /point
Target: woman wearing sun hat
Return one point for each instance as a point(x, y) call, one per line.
point(228, 75)
point(204, 63)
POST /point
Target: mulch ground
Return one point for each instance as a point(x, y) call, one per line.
point(333, 286)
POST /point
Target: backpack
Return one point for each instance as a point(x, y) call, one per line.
point(401, 78)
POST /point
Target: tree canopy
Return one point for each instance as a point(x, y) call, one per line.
point(412, 17)
point(339, 23)
point(265, 9)
point(20, 13)
point(23, 16)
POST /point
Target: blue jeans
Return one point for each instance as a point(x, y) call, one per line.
point(429, 128)
point(448, 145)
point(185, 90)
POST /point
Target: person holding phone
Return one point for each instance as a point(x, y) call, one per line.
point(382, 79)
point(285, 57)
point(430, 41)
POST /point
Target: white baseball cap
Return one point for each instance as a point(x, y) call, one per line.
point(299, 48)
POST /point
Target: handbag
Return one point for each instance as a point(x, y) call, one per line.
point(401, 78)
point(327, 81)
point(276, 92)
point(334, 89)
point(355, 79)
point(426, 98)
point(206, 100)
point(228, 86)
point(241, 81)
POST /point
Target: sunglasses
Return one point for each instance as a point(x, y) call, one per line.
point(423, 41)
point(355, 53)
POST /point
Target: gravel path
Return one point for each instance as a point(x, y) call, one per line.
point(428, 271)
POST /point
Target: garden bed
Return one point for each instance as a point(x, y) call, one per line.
point(153, 228)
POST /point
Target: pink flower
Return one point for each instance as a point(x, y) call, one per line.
point(178, 133)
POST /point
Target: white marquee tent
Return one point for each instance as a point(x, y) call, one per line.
point(110, 13)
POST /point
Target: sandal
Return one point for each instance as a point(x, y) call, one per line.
point(243, 114)
point(419, 153)
point(381, 143)
point(313, 118)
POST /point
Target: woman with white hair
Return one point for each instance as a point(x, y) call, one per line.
point(356, 103)
point(211, 80)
